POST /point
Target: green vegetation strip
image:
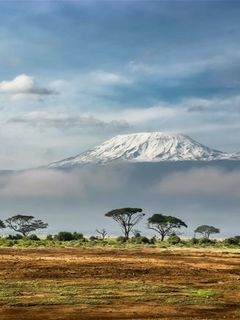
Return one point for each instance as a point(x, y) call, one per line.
point(30, 293)
point(114, 243)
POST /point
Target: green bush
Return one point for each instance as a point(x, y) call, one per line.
point(68, 236)
point(111, 242)
point(194, 241)
point(153, 240)
point(77, 236)
point(33, 237)
point(144, 240)
point(64, 236)
point(174, 239)
point(10, 243)
point(121, 239)
point(233, 240)
point(140, 240)
point(93, 238)
point(206, 241)
point(137, 234)
point(14, 237)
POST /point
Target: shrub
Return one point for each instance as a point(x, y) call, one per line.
point(206, 241)
point(238, 238)
point(153, 240)
point(174, 239)
point(93, 238)
point(64, 236)
point(10, 243)
point(121, 239)
point(67, 236)
point(49, 237)
point(194, 241)
point(14, 237)
point(144, 240)
point(136, 233)
point(33, 237)
point(140, 240)
point(233, 240)
point(77, 236)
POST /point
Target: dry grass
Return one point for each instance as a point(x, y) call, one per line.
point(98, 283)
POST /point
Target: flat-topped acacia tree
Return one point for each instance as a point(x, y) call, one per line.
point(206, 230)
point(127, 218)
point(24, 224)
point(164, 225)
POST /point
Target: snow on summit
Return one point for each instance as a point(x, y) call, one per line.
point(146, 147)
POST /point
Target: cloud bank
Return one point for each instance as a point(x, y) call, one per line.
point(63, 121)
point(79, 198)
point(61, 184)
point(204, 182)
point(24, 87)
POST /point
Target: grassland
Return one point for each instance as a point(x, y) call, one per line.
point(119, 283)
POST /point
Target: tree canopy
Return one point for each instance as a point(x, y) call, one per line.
point(206, 230)
point(164, 225)
point(25, 224)
point(2, 225)
point(127, 218)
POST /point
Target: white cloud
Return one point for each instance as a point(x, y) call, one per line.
point(20, 84)
point(185, 112)
point(56, 183)
point(188, 115)
point(65, 121)
point(24, 87)
point(214, 104)
point(141, 116)
point(40, 183)
point(180, 68)
point(144, 115)
point(207, 182)
point(108, 78)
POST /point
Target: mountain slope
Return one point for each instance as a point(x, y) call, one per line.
point(146, 147)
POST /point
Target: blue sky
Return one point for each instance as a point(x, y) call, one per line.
point(73, 73)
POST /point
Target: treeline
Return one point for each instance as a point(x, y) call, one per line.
point(75, 239)
point(164, 226)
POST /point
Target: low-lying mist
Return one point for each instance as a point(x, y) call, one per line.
point(197, 192)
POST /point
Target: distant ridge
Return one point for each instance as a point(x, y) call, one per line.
point(146, 147)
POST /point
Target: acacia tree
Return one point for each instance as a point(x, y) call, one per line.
point(2, 225)
point(164, 225)
point(206, 230)
point(127, 218)
point(102, 232)
point(25, 224)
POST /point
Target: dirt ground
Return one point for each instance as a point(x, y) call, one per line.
point(103, 283)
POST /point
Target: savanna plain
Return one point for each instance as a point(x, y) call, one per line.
point(119, 283)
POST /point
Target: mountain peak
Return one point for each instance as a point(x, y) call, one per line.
point(146, 147)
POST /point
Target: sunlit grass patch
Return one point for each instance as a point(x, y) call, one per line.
point(103, 292)
point(8, 291)
point(203, 293)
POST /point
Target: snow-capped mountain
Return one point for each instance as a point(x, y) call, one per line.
point(146, 147)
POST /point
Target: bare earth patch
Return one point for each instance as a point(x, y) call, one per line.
point(104, 283)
